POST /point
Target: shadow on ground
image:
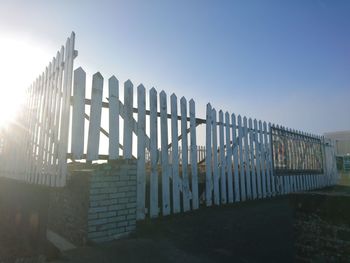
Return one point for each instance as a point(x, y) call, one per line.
point(256, 231)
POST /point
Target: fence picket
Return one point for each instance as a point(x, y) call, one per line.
point(95, 117)
point(113, 88)
point(78, 113)
point(154, 154)
point(184, 145)
point(229, 158)
point(241, 152)
point(258, 158)
point(252, 157)
point(222, 159)
point(235, 159)
point(262, 159)
point(246, 159)
point(128, 106)
point(215, 159)
point(164, 152)
point(208, 157)
point(175, 155)
point(266, 154)
point(194, 169)
point(64, 127)
point(273, 183)
point(141, 146)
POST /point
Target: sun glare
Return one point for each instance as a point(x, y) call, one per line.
point(20, 63)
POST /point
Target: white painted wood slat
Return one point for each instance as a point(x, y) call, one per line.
point(141, 167)
point(194, 168)
point(164, 152)
point(78, 120)
point(95, 117)
point(208, 158)
point(175, 155)
point(229, 158)
point(222, 159)
point(185, 181)
point(154, 210)
point(113, 90)
point(215, 159)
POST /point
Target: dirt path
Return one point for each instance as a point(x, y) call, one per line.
point(257, 231)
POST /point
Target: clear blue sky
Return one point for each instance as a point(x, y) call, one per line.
point(287, 62)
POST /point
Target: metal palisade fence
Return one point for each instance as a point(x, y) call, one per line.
point(174, 174)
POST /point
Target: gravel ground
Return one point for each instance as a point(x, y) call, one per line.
point(255, 231)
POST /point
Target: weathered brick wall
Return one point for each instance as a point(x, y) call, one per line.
point(112, 210)
point(98, 204)
point(322, 226)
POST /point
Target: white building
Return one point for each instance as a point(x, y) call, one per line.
point(342, 146)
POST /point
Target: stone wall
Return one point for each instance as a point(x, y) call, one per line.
point(322, 225)
point(98, 204)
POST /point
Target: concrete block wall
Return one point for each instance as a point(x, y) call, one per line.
point(98, 204)
point(112, 206)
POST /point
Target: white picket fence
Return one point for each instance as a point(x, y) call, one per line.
point(35, 144)
point(237, 164)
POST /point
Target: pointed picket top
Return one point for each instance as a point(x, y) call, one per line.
point(113, 79)
point(227, 117)
point(97, 75)
point(191, 101)
point(264, 124)
point(183, 100)
point(162, 94)
point(233, 118)
point(128, 84)
point(79, 71)
point(152, 91)
point(250, 123)
point(141, 87)
point(208, 105)
point(173, 97)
